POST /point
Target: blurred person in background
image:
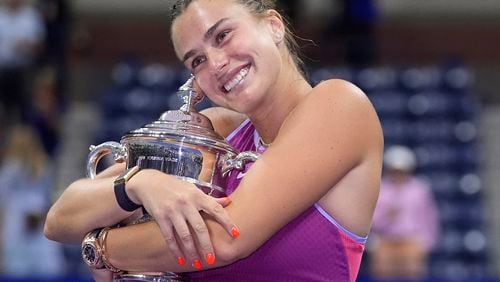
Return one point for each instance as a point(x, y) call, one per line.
point(57, 17)
point(44, 113)
point(26, 182)
point(357, 31)
point(405, 224)
point(21, 40)
point(345, 29)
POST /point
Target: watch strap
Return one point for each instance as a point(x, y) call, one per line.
point(105, 260)
point(121, 196)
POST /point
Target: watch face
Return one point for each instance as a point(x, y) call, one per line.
point(89, 254)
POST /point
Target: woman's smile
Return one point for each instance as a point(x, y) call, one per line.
point(236, 79)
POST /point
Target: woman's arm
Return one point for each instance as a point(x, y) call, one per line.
point(89, 204)
point(85, 205)
point(330, 136)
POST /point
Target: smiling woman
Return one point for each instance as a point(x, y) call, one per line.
point(302, 211)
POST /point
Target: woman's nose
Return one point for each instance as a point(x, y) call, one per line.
point(217, 59)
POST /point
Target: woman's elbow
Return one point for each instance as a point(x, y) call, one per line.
point(229, 252)
point(50, 227)
point(54, 229)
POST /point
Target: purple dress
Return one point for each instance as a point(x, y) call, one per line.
point(312, 247)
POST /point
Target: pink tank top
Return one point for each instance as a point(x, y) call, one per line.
point(312, 247)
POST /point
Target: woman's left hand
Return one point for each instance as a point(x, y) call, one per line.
point(101, 275)
point(175, 205)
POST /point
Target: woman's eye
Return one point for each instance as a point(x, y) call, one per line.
point(221, 36)
point(197, 61)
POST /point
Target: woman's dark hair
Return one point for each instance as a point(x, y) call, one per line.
point(259, 8)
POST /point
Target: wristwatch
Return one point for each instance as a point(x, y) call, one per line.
point(92, 249)
point(119, 186)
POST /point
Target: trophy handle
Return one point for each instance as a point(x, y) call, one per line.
point(238, 162)
point(101, 150)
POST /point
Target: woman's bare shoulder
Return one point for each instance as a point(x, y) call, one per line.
point(335, 110)
point(335, 98)
point(339, 89)
point(224, 120)
point(340, 102)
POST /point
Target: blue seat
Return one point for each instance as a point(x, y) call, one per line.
point(457, 78)
point(431, 103)
point(376, 79)
point(395, 130)
point(433, 155)
point(416, 79)
point(445, 184)
point(438, 130)
point(389, 103)
point(158, 77)
point(324, 73)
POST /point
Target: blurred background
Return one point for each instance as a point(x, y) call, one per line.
point(81, 72)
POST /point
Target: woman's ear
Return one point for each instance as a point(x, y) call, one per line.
point(277, 26)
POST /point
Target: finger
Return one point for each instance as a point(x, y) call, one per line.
point(201, 236)
point(224, 201)
point(113, 170)
point(167, 229)
point(101, 275)
point(186, 240)
point(216, 210)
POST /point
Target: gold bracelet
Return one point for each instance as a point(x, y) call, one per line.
point(102, 242)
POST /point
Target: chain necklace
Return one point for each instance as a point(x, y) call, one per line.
point(264, 144)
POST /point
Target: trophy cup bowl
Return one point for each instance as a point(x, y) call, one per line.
point(181, 143)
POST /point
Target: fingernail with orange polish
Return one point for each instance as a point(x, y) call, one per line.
point(210, 258)
point(235, 232)
point(197, 264)
point(181, 261)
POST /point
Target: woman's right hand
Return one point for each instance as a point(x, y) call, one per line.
point(101, 275)
point(175, 205)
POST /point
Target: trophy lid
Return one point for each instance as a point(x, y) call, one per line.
point(184, 125)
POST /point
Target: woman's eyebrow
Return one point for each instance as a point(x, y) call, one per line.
point(211, 30)
point(208, 34)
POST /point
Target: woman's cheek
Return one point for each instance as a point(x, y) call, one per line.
point(212, 93)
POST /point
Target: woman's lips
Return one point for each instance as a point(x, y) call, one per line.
point(237, 79)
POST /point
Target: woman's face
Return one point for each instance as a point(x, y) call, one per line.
point(233, 54)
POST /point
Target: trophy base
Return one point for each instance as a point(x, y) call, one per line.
point(153, 277)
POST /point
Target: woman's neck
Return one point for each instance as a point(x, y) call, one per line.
point(282, 101)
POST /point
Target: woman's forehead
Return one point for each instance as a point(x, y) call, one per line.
point(199, 17)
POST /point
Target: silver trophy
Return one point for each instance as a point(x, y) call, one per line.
point(181, 143)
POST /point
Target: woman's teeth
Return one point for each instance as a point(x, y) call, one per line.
point(236, 80)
